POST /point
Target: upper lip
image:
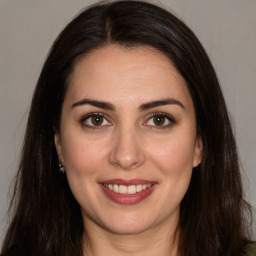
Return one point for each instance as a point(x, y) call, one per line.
point(127, 182)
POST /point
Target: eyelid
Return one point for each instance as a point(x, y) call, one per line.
point(93, 114)
point(169, 117)
point(161, 114)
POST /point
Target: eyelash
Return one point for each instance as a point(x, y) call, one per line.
point(100, 115)
point(167, 117)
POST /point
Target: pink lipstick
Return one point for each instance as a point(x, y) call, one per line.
point(127, 191)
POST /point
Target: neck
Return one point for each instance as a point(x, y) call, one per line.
point(156, 241)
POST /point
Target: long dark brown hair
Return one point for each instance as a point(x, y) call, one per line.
point(46, 217)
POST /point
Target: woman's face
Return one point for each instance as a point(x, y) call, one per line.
point(128, 139)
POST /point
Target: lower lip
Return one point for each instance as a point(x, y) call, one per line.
point(126, 198)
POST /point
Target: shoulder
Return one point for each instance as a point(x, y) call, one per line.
point(250, 249)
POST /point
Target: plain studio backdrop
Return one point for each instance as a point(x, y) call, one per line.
point(226, 28)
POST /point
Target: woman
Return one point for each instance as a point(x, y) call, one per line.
point(126, 107)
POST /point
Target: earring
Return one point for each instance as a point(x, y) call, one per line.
point(61, 167)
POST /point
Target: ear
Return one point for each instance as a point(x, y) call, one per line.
point(57, 141)
point(198, 152)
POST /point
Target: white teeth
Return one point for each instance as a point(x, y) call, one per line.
point(122, 189)
point(132, 189)
point(139, 188)
point(116, 188)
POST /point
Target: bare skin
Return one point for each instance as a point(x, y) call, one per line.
point(128, 117)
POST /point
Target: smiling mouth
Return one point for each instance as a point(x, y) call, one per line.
point(127, 190)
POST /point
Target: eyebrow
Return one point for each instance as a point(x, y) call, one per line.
point(168, 101)
point(95, 103)
point(143, 107)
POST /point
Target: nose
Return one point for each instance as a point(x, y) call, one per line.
point(126, 152)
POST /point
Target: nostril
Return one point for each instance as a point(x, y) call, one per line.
point(127, 160)
point(126, 151)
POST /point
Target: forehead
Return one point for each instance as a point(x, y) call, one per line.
point(120, 74)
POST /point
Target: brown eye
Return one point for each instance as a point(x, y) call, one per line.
point(159, 120)
point(97, 120)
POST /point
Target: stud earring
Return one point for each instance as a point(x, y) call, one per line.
point(61, 167)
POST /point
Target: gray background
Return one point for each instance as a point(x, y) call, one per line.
point(226, 28)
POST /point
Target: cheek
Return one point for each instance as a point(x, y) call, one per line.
point(173, 154)
point(82, 156)
point(172, 158)
point(84, 164)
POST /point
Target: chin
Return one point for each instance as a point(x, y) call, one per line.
point(127, 229)
point(127, 224)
